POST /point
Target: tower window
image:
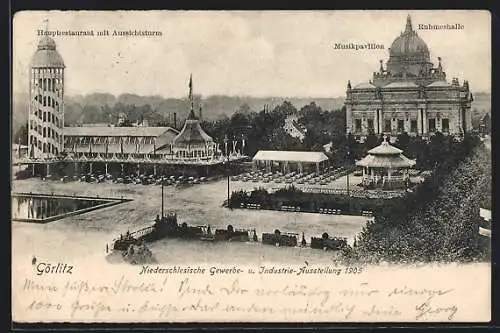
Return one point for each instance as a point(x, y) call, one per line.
point(432, 124)
point(357, 125)
point(387, 125)
point(45, 116)
point(445, 122)
point(413, 126)
point(401, 125)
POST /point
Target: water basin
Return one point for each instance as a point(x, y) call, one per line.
point(43, 208)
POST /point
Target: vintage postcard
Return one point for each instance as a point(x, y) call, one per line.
point(251, 166)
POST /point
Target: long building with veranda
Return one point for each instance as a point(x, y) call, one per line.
point(53, 147)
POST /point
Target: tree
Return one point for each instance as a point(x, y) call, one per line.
point(403, 141)
point(371, 141)
point(21, 136)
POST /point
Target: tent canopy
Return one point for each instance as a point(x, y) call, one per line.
point(290, 156)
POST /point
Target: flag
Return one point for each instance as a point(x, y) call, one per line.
point(90, 146)
point(154, 146)
point(190, 86)
point(121, 145)
point(107, 144)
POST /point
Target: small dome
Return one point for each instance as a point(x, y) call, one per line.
point(46, 55)
point(46, 43)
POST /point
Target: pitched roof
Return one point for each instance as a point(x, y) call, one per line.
point(118, 131)
point(290, 156)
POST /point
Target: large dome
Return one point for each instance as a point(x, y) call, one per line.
point(409, 43)
point(46, 55)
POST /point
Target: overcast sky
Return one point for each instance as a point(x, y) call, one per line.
point(286, 54)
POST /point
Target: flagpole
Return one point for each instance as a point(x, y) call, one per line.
point(227, 169)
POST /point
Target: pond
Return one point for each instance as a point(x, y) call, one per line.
point(42, 208)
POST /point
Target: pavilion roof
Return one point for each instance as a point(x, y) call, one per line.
point(192, 134)
point(385, 149)
point(386, 161)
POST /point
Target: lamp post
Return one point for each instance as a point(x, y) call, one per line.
point(162, 198)
point(347, 162)
point(348, 159)
point(226, 140)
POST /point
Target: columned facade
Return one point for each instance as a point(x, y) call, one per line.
point(409, 95)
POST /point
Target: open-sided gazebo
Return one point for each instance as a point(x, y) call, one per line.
point(291, 160)
point(385, 167)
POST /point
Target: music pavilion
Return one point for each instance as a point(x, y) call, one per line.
point(141, 149)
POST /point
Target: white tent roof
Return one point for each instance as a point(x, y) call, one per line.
point(290, 156)
point(118, 131)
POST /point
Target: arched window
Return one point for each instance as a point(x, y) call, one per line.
point(44, 132)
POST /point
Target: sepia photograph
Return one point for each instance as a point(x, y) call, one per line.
point(251, 166)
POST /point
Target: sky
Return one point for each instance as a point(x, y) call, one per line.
point(250, 53)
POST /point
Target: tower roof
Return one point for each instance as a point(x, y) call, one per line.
point(409, 43)
point(46, 55)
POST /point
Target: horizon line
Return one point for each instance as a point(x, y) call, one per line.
point(214, 95)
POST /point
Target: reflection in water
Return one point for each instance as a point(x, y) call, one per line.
point(38, 208)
